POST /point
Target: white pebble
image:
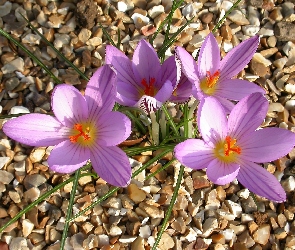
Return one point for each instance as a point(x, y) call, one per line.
point(19, 110)
point(155, 11)
point(290, 104)
point(250, 30)
point(122, 6)
point(145, 232)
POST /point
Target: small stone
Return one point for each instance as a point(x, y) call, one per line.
point(6, 177)
point(37, 154)
point(34, 180)
point(238, 17)
point(282, 220)
point(18, 243)
point(5, 8)
point(262, 234)
point(15, 65)
point(3, 161)
point(284, 31)
point(145, 231)
point(166, 242)
point(209, 226)
point(138, 244)
point(207, 17)
point(289, 184)
point(155, 11)
point(135, 194)
point(27, 227)
point(280, 234)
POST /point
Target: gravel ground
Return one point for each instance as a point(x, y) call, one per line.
point(205, 216)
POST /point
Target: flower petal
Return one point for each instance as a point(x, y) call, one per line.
point(212, 120)
point(146, 62)
point(113, 128)
point(183, 91)
point(164, 92)
point(112, 165)
point(259, 181)
point(36, 130)
point(194, 153)
point(67, 157)
point(222, 173)
point(127, 94)
point(209, 57)
point(247, 115)
point(238, 58)
point(226, 104)
point(169, 72)
point(121, 63)
point(68, 105)
point(100, 92)
point(236, 89)
point(267, 144)
point(189, 65)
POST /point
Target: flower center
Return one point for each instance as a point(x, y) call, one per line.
point(149, 88)
point(228, 150)
point(208, 85)
point(83, 133)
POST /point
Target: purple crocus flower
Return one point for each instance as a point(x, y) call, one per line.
point(84, 127)
point(143, 82)
point(213, 77)
point(230, 148)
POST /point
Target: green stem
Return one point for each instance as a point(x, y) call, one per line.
point(70, 209)
point(217, 26)
point(136, 121)
point(115, 189)
point(36, 59)
point(168, 213)
point(136, 150)
point(170, 120)
point(41, 198)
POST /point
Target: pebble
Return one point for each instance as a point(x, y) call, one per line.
point(289, 184)
point(34, 180)
point(166, 242)
point(136, 194)
point(262, 234)
point(5, 8)
point(238, 17)
point(37, 154)
point(6, 177)
point(284, 31)
point(3, 161)
point(16, 64)
point(138, 244)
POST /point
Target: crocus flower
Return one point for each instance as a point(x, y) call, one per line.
point(84, 127)
point(231, 148)
point(213, 77)
point(143, 82)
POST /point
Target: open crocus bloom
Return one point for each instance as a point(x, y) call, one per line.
point(230, 148)
point(143, 82)
point(84, 127)
point(212, 76)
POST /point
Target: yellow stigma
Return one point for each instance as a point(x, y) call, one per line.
point(227, 150)
point(83, 133)
point(209, 84)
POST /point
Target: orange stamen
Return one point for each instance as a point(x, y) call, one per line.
point(79, 128)
point(230, 146)
point(212, 79)
point(149, 88)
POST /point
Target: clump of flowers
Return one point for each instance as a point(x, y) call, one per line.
point(84, 127)
point(213, 77)
point(144, 82)
point(230, 147)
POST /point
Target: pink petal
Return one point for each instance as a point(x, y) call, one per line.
point(236, 89)
point(127, 94)
point(222, 173)
point(112, 165)
point(238, 58)
point(169, 71)
point(36, 130)
point(189, 66)
point(164, 92)
point(67, 157)
point(113, 128)
point(259, 181)
point(121, 63)
point(267, 144)
point(100, 92)
point(194, 153)
point(183, 90)
point(226, 104)
point(209, 57)
point(212, 120)
point(247, 115)
point(146, 62)
point(68, 105)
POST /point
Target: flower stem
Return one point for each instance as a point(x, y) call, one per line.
point(168, 213)
point(155, 129)
point(41, 198)
point(70, 208)
point(170, 121)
